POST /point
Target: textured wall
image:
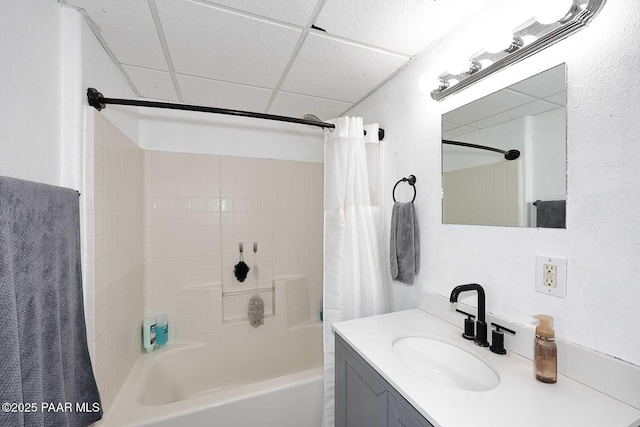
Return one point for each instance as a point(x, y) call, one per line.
point(30, 74)
point(602, 239)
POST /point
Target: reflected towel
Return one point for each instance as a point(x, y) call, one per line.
point(44, 356)
point(551, 213)
point(405, 243)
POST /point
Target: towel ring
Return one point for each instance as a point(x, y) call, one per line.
point(411, 179)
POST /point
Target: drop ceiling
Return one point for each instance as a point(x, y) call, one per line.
point(264, 56)
point(538, 94)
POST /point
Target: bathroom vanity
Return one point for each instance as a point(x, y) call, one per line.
point(386, 375)
point(365, 399)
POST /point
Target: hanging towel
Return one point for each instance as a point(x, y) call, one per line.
point(405, 243)
point(44, 358)
point(551, 213)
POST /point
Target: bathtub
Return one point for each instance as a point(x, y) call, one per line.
point(255, 379)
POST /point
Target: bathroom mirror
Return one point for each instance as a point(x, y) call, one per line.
point(504, 159)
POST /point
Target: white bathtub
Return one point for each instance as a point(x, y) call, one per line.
point(257, 379)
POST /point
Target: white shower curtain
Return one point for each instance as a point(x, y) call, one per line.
point(353, 267)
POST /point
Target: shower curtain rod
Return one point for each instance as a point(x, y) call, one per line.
point(509, 155)
point(98, 101)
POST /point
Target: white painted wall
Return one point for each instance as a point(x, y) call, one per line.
point(203, 133)
point(602, 239)
point(49, 56)
point(30, 73)
point(548, 153)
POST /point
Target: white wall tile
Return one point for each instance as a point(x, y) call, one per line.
point(117, 251)
point(180, 255)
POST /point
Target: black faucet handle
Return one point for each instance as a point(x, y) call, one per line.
point(497, 338)
point(469, 326)
point(470, 316)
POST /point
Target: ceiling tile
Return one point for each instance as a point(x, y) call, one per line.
point(530, 109)
point(213, 93)
point(338, 70)
point(543, 84)
point(448, 126)
point(460, 130)
point(282, 10)
point(151, 83)
point(492, 104)
point(128, 29)
point(208, 42)
point(294, 105)
point(558, 98)
point(406, 26)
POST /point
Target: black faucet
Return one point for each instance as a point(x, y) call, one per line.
point(481, 324)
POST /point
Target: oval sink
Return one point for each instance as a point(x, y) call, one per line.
point(444, 362)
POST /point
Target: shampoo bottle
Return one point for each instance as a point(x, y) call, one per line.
point(162, 330)
point(545, 358)
point(149, 334)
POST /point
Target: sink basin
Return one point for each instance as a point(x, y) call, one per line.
point(444, 362)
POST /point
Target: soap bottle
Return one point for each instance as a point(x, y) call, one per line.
point(545, 358)
point(162, 330)
point(149, 334)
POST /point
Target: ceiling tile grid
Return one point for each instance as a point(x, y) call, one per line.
point(213, 93)
point(297, 13)
point(263, 55)
point(208, 42)
point(128, 29)
point(152, 83)
point(295, 105)
point(333, 69)
point(406, 26)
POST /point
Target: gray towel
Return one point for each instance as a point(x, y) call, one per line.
point(551, 213)
point(44, 357)
point(405, 243)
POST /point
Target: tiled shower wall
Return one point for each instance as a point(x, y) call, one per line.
point(200, 207)
point(483, 195)
point(113, 264)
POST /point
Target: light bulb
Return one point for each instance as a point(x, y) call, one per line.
point(497, 39)
point(427, 83)
point(550, 11)
point(485, 62)
point(461, 65)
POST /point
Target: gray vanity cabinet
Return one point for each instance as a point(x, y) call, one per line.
point(365, 399)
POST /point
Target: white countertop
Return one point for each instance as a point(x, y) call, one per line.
point(519, 400)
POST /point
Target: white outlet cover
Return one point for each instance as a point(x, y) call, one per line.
point(560, 289)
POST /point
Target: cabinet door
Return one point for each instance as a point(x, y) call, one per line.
point(399, 416)
point(361, 400)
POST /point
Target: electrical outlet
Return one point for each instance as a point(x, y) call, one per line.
point(551, 276)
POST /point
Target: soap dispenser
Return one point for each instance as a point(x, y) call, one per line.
point(545, 357)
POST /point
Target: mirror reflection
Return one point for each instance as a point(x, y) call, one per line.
point(504, 156)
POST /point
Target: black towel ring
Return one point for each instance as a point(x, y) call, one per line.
point(412, 182)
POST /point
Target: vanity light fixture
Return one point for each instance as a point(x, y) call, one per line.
point(554, 20)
